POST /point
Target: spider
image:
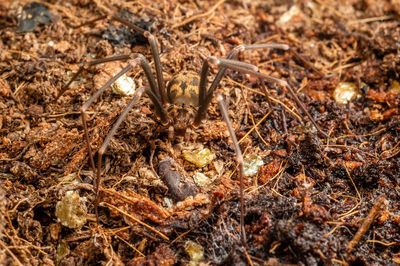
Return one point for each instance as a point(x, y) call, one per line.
point(180, 105)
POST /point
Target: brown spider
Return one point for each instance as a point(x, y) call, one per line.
point(183, 103)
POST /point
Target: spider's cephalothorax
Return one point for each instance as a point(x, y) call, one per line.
point(184, 103)
point(183, 97)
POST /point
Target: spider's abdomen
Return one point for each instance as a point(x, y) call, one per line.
point(183, 89)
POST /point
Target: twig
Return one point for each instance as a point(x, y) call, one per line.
point(252, 119)
point(390, 150)
point(372, 19)
point(248, 257)
point(358, 194)
point(362, 135)
point(137, 220)
point(383, 243)
point(195, 17)
point(339, 262)
point(351, 147)
point(330, 8)
point(254, 127)
point(378, 206)
point(64, 114)
point(16, 260)
point(23, 53)
point(130, 245)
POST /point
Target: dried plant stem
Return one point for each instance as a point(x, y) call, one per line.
point(378, 206)
point(3, 246)
point(137, 220)
point(195, 17)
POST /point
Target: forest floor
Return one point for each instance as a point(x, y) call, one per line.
point(328, 196)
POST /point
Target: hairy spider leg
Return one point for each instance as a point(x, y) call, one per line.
point(155, 53)
point(205, 96)
point(89, 102)
point(233, 65)
point(154, 50)
point(239, 160)
point(155, 93)
point(138, 59)
point(247, 69)
point(106, 142)
point(88, 64)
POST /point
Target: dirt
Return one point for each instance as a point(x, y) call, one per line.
point(317, 199)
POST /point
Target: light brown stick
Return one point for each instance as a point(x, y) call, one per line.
point(378, 206)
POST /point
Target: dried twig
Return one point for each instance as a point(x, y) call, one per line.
point(378, 206)
point(198, 16)
point(137, 220)
point(16, 260)
point(350, 212)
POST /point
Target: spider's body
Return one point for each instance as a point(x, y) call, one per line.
point(183, 89)
point(183, 97)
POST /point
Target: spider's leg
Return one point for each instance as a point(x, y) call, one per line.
point(232, 64)
point(235, 52)
point(153, 93)
point(154, 51)
point(127, 23)
point(159, 108)
point(86, 105)
point(202, 93)
point(90, 101)
point(91, 63)
point(137, 58)
point(239, 159)
point(107, 140)
point(205, 96)
point(157, 64)
point(150, 77)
